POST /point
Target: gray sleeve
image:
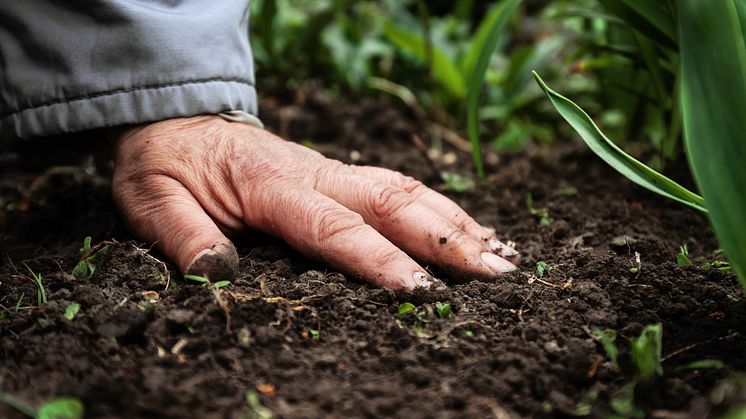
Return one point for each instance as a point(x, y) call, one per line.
point(68, 66)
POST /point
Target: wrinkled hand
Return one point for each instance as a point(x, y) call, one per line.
point(185, 183)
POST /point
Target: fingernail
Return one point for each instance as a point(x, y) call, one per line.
point(496, 263)
point(217, 263)
point(505, 251)
point(422, 279)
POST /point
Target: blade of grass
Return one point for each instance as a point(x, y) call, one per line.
point(713, 98)
point(504, 12)
point(622, 162)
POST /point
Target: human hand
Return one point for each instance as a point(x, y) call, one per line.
point(185, 183)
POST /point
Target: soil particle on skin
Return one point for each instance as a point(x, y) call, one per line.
point(310, 342)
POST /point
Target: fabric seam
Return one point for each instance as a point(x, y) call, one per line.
point(120, 91)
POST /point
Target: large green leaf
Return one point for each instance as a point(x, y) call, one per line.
point(625, 164)
point(503, 12)
point(444, 71)
point(713, 101)
point(647, 16)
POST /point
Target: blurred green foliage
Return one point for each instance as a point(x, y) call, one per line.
point(616, 58)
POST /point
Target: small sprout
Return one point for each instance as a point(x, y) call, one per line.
point(405, 309)
point(193, 330)
point(455, 182)
point(541, 214)
point(41, 294)
point(636, 265)
point(20, 301)
point(72, 310)
point(256, 409)
point(61, 408)
point(567, 191)
point(89, 259)
point(444, 310)
point(702, 364)
point(206, 282)
point(468, 332)
point(607, 337)
point(682, 259)
point(646, 352)
point(315, 334)
point(541, 268)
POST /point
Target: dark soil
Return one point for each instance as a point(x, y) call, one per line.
point(312, 343)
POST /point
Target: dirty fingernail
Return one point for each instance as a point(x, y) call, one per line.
point(421, 279)
point(496, 263)
point(504, 250)
point(217, 263)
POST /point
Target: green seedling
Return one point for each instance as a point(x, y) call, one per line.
point(541, 214)
point(20, 301)
point(468, 332)
point(206, 282)
point(541, 268)
point(646, 352)
point(682, 259)
point(405, 309)
point(607, 337)
point(455, 182)
point(90, 257)
point(420, 314)
point(717, 263)
point(59, 408)
point(702, 364)
point(256, 409)
point(41, 294)
point(72, 310)
point(444, 310)
point(315, 334)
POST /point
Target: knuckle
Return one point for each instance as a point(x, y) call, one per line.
point(387, 201)
point(384, 256)
point(331, 222)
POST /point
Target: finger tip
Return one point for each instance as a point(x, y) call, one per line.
point(220, 262)
point(497, 264)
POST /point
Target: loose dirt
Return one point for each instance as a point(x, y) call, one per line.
point(309, 342)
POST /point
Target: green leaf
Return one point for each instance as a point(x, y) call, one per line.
point(713, 99)
point(444, 70)
point(607, 337)
point(480, 37)
point(504, 12)
point(196, 278)
point(221, 284)
point(61, 408)
point(541, 268)
point(455, 182)
point(444, 310)
point(83, 269)
point(702, 364)
point(86, 246)
point(646, 352)
point(622, 162)
point(682, 259)
point(647, 16)
point(72, 310)
point(405, 309)
point(656, 15)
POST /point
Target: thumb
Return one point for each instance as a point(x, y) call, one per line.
point(161, 210)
